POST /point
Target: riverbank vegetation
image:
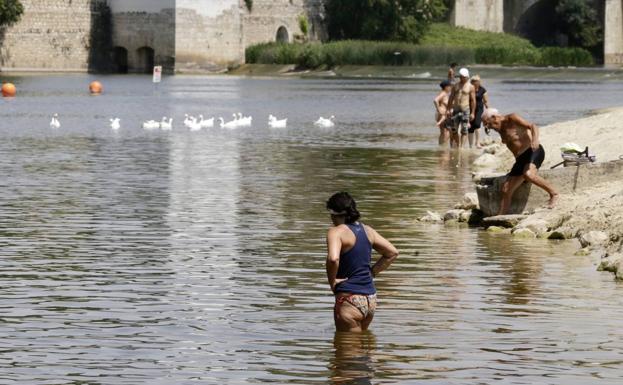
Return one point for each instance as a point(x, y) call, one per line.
point(397, 20)
point(440, 45)
point(10, 12)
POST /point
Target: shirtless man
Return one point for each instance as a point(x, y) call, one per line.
point(522, 139)
point(462, 109)
point(451, 71)
point(441, 108)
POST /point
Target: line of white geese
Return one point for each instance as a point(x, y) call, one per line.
point(197, 124)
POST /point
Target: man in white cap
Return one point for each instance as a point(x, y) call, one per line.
point(462, 109)
point(522, 139)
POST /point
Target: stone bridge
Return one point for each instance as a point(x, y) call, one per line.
point(531, 19)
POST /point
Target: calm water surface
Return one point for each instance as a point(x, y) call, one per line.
point(137, 257)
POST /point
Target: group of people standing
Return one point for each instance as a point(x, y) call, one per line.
point(459, 107)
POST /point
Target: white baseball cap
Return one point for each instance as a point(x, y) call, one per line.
point(464, 72)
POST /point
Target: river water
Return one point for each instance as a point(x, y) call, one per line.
point(137, 257)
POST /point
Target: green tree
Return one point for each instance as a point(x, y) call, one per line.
point(404, 20)
point(10, 11)
point(578, 20)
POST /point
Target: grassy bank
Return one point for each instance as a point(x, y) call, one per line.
point(441, 45)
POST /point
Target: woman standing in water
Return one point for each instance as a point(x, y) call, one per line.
point(349, 254)
point(482, 102)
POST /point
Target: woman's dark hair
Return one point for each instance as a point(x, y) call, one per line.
point(452, 65)
point(344, 204)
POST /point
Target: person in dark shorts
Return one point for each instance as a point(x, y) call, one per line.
point(522, 139)
point(349, 270)
point(526, 158)
point(482, 102)
point(461, 108)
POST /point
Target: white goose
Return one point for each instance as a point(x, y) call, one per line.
point(231, 124)
point(209, 123)
point(166, 125)
point(54, 123)
point(187, 120)
point(194, 125)
point(323, 122)
point(244, 121)
point(151, 125)
point(115, 123)
point(273, 122)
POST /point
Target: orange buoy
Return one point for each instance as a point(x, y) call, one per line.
point(96, 88)
point(8, 90)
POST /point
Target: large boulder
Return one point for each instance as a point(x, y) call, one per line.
point(498, 230)
point(453, 215)
point(612, 263)
point(537, 225)
point(494, 148)
point(508, 221)
point(523, 233)
point(562, 232)
point(488, 161)
point(593, 238)
point(469, 202)
point(431, 217)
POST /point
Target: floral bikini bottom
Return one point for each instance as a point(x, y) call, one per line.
point(366, 304)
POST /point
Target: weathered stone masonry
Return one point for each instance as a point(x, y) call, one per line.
point(52, 35)
point(124, 35)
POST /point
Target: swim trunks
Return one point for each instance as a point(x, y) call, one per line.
point(460, 118)
point(366, 304)
point(525, 158)
point(480, 108)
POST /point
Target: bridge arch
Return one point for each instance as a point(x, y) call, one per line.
point(529, 22)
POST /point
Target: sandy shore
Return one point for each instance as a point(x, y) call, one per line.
point(593, 215)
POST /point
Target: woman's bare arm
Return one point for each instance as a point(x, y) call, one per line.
point(437, 103)
point(334, 248)
point(384, 247)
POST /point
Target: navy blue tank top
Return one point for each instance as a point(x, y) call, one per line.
point(355, 265)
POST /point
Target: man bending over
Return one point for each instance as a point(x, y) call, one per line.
point(522, 139)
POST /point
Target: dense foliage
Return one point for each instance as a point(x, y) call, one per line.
point(402, 20)
point(579, 21)
point(355, 52)
point(10, 11)
point(441, 45)
point(444, 34)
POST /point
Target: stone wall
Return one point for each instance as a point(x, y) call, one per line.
point(613, 43)
point(133, 35)
point(214, 34)
point(483, 15)
point(209, 35)
point(52, 35)
point(267, 17)
point(137, 28)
